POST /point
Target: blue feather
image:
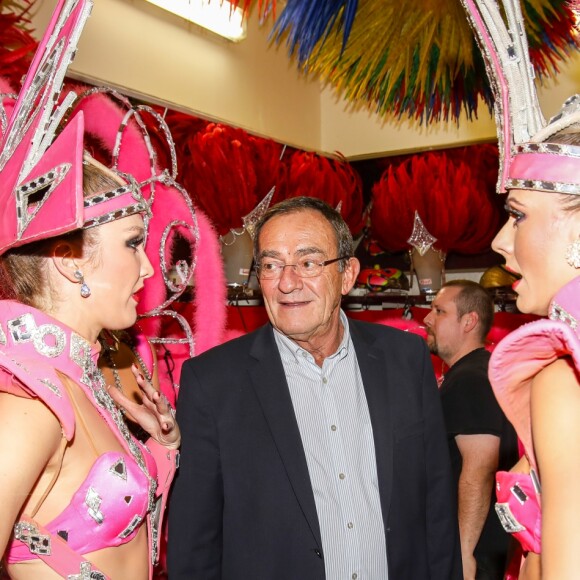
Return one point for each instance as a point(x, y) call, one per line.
point(307, 22)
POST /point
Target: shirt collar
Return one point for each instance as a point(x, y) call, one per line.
point(289, 346)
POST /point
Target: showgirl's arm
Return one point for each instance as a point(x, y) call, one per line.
point(29, 437)
point(556, 434)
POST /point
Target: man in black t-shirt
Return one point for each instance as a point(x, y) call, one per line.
point(481, 441)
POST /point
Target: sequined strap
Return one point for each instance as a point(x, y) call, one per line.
point(55, 552)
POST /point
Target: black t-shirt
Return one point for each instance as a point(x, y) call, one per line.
point(470, 408)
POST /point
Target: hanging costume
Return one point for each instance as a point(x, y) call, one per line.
point(528, 160)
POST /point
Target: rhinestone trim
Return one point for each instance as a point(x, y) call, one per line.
point(25, 211)
point(116, 215)
point(106, 196)
point(93, 502)
point(28, 534)
point(506, 517)
point(51, 386)
point(22, 328)
point(87, 573)
point(39, 336)
point(549, 186)
point(559, 313)
point(548, 148)
point(119, 469)
point(131, 527)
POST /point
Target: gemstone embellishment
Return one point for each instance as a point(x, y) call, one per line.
point(119, 469)
point(28, 534)
point(131, 527)
point(93, 502)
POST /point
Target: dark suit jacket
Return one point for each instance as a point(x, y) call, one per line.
point(242, 507)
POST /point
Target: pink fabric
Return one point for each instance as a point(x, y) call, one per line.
point(62, 210)
point(122, 493)
point(516, 493)
point(123, 504)
point(519, 357)
point(496, 71)
point(34, 373)
point(545, 167)
point(114, 204)
point(514, 363)
point(64, 561)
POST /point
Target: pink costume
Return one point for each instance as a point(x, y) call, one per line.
point(121, 490)
point(41, 195)
point(529, 159)
point(516, 360)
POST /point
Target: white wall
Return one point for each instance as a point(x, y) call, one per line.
point(362, 134)
point(147, 52)
point(136, 46)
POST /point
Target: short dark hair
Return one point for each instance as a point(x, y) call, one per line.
point(473, 297)
point(345, 245)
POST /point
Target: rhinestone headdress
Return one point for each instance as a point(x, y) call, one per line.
point(528, 160)
point(41, 163)
point(135, 142)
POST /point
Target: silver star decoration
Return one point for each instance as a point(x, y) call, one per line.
point(256, 214)
point(421, 239)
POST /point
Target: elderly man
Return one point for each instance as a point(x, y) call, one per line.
point(481, 440)
point(314, 447)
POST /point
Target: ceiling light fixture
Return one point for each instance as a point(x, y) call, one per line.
point(218, 16)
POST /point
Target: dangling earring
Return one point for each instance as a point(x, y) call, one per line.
point(85, 290)
point(573, 254)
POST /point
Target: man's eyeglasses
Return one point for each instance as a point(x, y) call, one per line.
point(305, 268)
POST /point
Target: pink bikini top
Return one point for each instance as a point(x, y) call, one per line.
point(119, 489)
point(514, 363)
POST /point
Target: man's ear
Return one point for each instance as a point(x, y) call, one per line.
point(351, 271)
point(470, 321)
point(64, 258)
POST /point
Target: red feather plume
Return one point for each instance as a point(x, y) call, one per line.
point(453, 191)
point(332, 180)
point(227, 171)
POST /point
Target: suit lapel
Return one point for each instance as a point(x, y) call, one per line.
point(271, 387)
point(371, 360)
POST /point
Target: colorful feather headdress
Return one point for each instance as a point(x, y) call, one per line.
point(414, 58)
point(528, 160)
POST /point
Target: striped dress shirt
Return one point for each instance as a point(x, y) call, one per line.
point(337, 436)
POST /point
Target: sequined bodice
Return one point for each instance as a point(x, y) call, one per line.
point(119, 489)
